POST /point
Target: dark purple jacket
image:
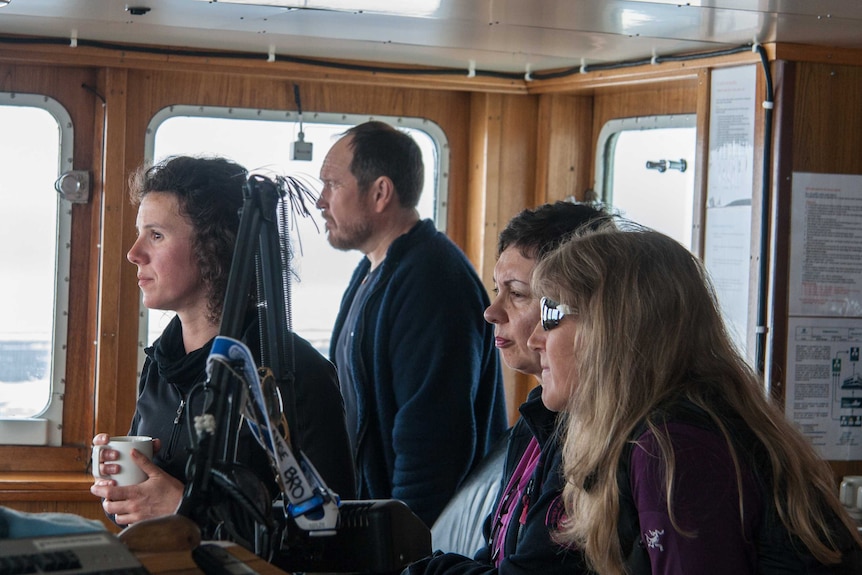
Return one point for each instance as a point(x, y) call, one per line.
point(706, 506)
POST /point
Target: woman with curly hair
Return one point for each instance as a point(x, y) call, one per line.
point(188, 218)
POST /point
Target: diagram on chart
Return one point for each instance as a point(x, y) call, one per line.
point(849, 390)
point(824, 384)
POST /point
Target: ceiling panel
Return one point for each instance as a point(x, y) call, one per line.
point(495, 35)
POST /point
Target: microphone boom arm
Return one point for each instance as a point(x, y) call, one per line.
point(261, 252)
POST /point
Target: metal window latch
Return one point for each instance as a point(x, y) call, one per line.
point(664, 165)
point(74, 186)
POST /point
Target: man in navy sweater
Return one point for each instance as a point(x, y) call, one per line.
point(418, 369)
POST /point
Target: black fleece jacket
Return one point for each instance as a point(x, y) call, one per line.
point(169, 374)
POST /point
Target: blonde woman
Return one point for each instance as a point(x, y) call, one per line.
point(674, 459)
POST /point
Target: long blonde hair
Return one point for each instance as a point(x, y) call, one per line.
point(649, 333)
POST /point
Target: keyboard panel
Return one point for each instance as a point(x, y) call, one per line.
point(81, 553)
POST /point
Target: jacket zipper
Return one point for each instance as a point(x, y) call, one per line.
point(525, 501)
point(176, 429)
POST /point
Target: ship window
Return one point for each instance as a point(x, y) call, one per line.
point(261, 141)
point(35, 147)
point(646, 172)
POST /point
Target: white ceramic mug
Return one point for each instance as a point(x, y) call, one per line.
point(130, 474)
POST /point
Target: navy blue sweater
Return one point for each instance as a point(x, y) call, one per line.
point(430, 399)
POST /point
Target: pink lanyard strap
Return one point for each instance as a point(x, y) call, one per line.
point(514, 491)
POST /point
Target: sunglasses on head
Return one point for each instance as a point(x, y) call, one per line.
point(553, 313)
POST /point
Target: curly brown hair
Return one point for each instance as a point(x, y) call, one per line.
point(209, 193)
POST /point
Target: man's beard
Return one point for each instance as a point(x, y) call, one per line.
point(351, 236)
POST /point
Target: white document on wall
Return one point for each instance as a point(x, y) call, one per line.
point(823, 396)
point(826, 245)
point(727, 241)
point(732, 107)
point(824, 384)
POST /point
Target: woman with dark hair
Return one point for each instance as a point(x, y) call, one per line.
point(518, 530)
point(188, 217)
point(674, 460)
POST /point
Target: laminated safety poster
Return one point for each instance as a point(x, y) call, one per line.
point(824, 377)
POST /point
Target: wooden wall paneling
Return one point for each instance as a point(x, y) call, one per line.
point(564, 157)
point(782, 181)
point(78, 408)
point(159, 89)
point(629, 77)
point(810, 53)
point(484, 143)
point(72, 458)
point(119, 299)
point(545, 150)
point(828, 112)
point(502, 183)
point(517, 164)
point(258, 66)
point(701, 153)
point(97, 196)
